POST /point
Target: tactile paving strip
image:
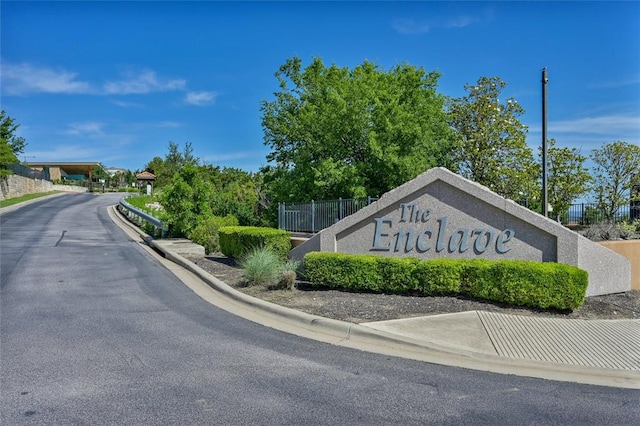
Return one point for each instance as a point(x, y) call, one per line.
point(598, 343)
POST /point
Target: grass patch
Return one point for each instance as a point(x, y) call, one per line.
point(16, 200)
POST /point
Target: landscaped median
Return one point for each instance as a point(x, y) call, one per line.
point(515, 282)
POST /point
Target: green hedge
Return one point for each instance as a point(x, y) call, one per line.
point(235, 241)
point(206, 232)
point(515, 282)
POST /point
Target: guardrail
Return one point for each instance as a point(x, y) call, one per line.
point(136, 212)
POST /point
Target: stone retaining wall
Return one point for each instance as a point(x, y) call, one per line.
point(17, 186)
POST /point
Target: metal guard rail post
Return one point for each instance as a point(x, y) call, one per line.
point(144, 215)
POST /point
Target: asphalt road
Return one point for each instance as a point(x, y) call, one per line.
point(95, 331)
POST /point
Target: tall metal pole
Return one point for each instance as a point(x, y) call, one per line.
point(545, 198)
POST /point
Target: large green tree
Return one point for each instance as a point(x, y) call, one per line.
point(568, 177)
point(616, 170)
point(491, 140)
point(340, 132)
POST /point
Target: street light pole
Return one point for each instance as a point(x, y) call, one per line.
point(545, 198)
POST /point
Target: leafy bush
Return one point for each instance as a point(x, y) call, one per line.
point(206, 232)
point(236, 241)
point(515, 282)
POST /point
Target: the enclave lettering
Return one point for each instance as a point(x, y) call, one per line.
point(422, 239)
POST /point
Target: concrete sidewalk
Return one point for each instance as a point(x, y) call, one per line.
point(612, 344)
point(600, 352)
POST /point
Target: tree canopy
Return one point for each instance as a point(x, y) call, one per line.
point(617, 169)
point(8, 135)
point(340, 132)
point(11, 145)
point(492, 148)
point(568, 177)
point(174, 160)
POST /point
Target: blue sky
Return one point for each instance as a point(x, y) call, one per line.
point(116, 81)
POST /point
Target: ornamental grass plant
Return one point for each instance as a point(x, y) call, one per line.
point(263, 267)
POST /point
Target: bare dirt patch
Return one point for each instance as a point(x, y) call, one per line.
point(365, 307)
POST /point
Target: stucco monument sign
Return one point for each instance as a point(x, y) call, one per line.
point(441, 214)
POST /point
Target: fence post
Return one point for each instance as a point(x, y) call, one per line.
point(313, 216)
point(280, 216)
point(340, 217)
point(368, 199)
point(582, 214)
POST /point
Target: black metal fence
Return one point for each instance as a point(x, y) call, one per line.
point(586, 214)
point(314, 216)
point(25, 171)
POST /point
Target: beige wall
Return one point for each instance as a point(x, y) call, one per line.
point(54, 172)
point(631, 250)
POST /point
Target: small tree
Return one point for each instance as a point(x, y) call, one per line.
point(617, 168)
point(187, 200)
point(492, 148)
point(165, 169)
point(8, 128)
point(10, 145)
point(567, 176)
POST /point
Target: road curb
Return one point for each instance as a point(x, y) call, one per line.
point(364, 338)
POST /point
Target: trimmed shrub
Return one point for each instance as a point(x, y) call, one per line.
point(438, 277)
point(515, 282)
point(337, 270)
point(526, 283)
point(235, 241)
point(397, 275)
point(206, 232)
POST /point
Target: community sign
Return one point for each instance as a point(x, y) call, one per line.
point(441, 214)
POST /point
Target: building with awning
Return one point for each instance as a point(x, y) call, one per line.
point(68, 170)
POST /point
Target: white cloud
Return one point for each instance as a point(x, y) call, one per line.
point(86, 129)
point(590, 132)
point(22, 79)
point(233, 156)
point(68, 152)
point(460, 22)
point(604, 125)
point(410, 26)
point(200, 98)
point(123, 104)
point(146, 81)
point(168, 124)
point(615, 84)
